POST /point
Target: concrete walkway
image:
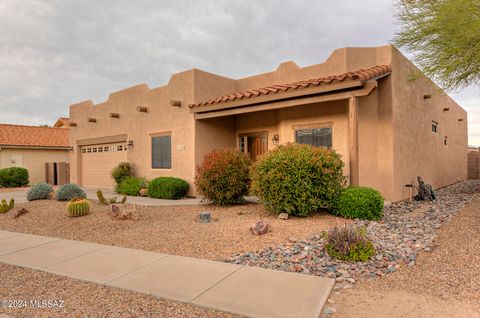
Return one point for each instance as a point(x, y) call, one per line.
point(244, 290)
point(108, 193)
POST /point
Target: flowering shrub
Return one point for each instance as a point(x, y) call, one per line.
point(297, 179)
point(223, 176)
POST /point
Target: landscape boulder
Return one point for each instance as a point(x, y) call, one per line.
point(260, 228)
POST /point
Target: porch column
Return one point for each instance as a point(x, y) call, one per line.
point(353, 139)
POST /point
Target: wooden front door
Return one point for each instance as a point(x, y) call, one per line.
point(254, 145)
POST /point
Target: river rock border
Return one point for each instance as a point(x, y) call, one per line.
point(406, 229)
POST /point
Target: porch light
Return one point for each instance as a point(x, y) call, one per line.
point(130, 144)
point(275, 139)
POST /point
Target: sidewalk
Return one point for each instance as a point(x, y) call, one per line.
point(243, 290)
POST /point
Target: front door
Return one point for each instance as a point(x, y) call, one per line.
point(254, 144)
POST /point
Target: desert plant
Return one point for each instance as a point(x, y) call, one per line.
point(122, 171)
point(167, 188)
point(11, 204)
point(359, 202)
point(349, 243)
point(13, 177)
point(69, 192)
point(223, 177)
point(78, 207)
point(40, 191)
point(131, 186)
point(297, 179)
point(101, 198)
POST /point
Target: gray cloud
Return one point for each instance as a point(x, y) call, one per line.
point(55, 53)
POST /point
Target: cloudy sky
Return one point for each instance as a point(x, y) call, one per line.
point(55, 53)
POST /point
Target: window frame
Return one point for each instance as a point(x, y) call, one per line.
point(313, 127)
point(157, 135)
point(434, 124)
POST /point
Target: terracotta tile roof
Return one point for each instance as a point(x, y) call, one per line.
point(34, 136)
point(362, 74)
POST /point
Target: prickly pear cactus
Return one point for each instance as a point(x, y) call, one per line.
point(78, 207)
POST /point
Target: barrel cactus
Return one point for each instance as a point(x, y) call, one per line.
point(40, 191)
point(78, 207)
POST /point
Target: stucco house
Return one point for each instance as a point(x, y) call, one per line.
point(388, 121)
point(43, 151)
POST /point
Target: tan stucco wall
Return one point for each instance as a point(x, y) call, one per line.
point(417, 150)
point(395, 143)
point(33, 160)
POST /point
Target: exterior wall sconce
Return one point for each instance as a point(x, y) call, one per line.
point(276, 139)
point(130, 144)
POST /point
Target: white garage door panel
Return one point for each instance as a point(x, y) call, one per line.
point(98, 162)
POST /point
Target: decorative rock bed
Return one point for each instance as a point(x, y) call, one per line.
point(406, 229)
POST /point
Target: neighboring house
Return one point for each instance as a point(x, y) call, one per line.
point(372, 105)
point(43, 151)
point(473, 163)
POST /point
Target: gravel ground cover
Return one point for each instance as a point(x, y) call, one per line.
point(84, 299)
point(444, 282)
point(406, 229)
point(171, 230)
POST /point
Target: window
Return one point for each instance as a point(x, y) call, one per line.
point(100, 149)
point(320, 137)
point(89, 150)
point(84, 150)
point(119, 147)
point(94, 149)
point(162, 152)
point(434, 126)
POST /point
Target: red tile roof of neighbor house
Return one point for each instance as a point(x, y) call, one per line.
point(362, 74)
point(33, 136)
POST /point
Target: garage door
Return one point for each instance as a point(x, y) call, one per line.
point(98, 162)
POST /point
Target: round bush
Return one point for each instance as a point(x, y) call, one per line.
point(297, 179)
point(167, 188)
point(69, 192)
point(40, 191)
point(223, 176)
point(13, 177)
point(122, 171)
point(359, 203)
point(131, 186)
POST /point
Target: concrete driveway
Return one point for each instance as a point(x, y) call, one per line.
point(20, 196)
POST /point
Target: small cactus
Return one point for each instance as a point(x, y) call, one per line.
point(101, 198)
point(124, 199)
point(5, 207)
point(78, 207)
point(112, 200)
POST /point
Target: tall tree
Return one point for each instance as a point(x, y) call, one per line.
point(444, 36)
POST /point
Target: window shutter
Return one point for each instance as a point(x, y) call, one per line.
point(162, 152)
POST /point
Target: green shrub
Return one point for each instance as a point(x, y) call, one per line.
point(131, 186)
point(223, 177)
point(40, 191)
point(13, 177)
point(122, 171)
point(69, 192)
point(167, 188)
point(359, 203)
point(297, 179)
point(349, 243)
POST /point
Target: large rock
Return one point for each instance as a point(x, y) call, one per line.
point(124, 212)
point(283, 216)
point(143, 192)
point(260, 228)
